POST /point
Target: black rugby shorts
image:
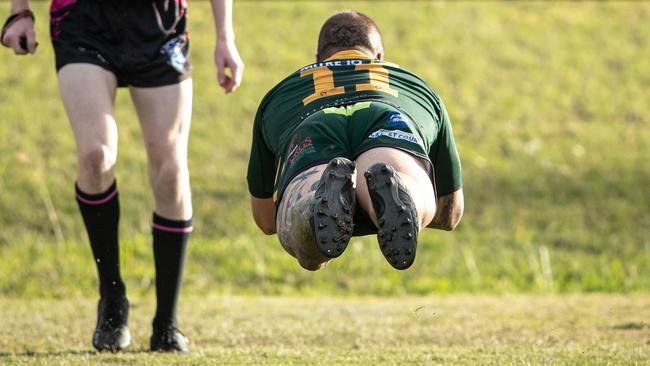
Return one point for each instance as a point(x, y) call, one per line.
point(144, 43)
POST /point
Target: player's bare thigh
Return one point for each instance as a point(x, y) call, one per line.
point(165, 117)
point(411, 170)
point(292, 225)
point(88, 94)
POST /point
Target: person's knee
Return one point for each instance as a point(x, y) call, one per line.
point(309, 258)
point(168, 179)
point(306, 258)
point(310, 263)
point(95, 165)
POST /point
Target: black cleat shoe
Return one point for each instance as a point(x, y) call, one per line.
point(396, 215)
point(112, 333)
point(332, 210)
point(168, 339)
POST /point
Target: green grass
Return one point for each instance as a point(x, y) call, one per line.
point(550, 109)
point(447, 330)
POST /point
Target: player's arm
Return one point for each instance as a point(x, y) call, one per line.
point(449, 211)
point(226, 55)
point(448, 177)
point(261, 177)
point(264, 214)
point(21, 27)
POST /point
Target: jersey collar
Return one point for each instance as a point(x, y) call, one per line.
point(349, 54)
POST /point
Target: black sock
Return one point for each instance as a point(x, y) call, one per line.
point(101, 215)
point(170, 239)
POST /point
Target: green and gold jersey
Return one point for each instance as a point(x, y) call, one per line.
point(346, 78)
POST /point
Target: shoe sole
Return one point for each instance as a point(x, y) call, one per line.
point(397, 217)
point(333, 208)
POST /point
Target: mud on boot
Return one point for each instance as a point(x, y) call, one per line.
point(332, 210)
point(397, 216)
point(112, 333)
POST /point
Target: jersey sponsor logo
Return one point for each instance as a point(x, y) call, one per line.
point(396, 134)
point(399, 120)
point(303, 148)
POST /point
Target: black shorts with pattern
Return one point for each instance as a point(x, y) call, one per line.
point(143, 42)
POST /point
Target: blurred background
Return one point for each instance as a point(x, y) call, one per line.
point(550, 104)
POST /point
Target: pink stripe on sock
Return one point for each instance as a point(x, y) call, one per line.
point(173, 229)
point(97, 202)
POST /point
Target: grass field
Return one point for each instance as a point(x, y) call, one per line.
point(448, 330)
point(549, 102)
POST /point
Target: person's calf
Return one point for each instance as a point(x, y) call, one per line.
point(170, 240)
point(296, 236)
point(101, 216)
point(316, 225)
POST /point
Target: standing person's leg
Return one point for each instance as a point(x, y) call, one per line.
point(165, 114)
point(396, 192)
point(88, 94)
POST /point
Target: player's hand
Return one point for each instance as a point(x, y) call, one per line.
point(21, 33)
point(227, 57)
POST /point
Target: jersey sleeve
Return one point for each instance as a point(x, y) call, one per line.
point(445, 159)
point(261, 163)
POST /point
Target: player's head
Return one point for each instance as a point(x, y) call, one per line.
point(349, 30)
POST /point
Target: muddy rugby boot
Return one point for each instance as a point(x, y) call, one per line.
point(397, 217)
point(168, 338)
point(333, 206)
point(112, 333)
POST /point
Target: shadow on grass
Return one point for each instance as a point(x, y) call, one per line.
point(632, 326)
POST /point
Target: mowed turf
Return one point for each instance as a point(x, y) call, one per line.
point(549, 103)
point(451, 330)
point(550, 109)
